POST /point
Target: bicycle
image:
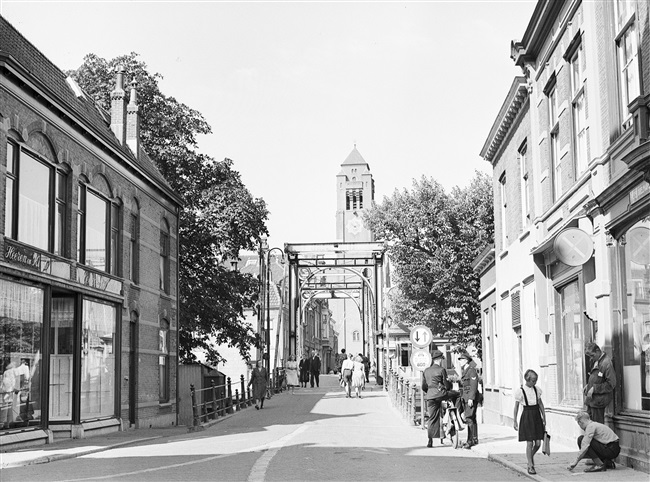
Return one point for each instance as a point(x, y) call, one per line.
point(451, 423)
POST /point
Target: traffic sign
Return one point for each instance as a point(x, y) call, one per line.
point(421, 359)
point(421, 336)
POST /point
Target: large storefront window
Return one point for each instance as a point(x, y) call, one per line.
point(98, 360)
point(21, 324)
point(636, 321)
point(571, 341)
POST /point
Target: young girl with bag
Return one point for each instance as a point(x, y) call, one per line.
point(533, 417)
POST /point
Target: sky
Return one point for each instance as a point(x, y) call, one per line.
point(289, 88)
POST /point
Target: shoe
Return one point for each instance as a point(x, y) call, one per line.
point(257, 407)
point(531, 470)
point(468, 445)
point(430, 443)
point(596, 468)
point(609, 464)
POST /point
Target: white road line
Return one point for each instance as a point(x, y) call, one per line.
point(258, 471)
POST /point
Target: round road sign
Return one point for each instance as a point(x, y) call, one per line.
point(421, 336)
point(421, 359)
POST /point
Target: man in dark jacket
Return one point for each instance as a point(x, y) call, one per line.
point(469, 384)
point(314, 369)
point(599, 390)
point(436, 388)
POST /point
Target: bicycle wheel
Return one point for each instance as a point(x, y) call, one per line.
point(455, 429)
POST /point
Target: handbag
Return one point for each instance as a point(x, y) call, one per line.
point(546, 444)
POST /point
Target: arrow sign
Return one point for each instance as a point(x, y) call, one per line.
point(421, 336)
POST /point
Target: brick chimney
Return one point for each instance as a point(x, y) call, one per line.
point(133, 122)
point(118, 106)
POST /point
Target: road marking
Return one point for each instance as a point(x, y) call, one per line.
point(258, 471)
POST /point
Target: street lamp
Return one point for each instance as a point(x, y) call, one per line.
point(267, 335)
point(388, 322)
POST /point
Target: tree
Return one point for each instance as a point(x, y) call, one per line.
point(432, 238)
point(219, 217)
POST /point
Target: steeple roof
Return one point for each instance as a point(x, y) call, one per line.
point(354, 159)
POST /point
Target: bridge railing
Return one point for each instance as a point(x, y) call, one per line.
point(404, 393)
point(216, 401)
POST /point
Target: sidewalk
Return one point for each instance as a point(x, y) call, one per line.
point(497, 443)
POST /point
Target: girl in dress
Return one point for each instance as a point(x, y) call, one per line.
point(533, 418)
point(358, 376)
point(292, 372)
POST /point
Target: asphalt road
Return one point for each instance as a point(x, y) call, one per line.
point(311, 435)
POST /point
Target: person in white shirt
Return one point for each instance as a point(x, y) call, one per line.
point(599, 443)
point(346, 374)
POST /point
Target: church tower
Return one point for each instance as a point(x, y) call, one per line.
point(355, 193)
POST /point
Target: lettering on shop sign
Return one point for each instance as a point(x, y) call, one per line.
point(97, 281)
point(22, 255)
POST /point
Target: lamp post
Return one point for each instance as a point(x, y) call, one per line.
point(267, 335)
point(389, 322)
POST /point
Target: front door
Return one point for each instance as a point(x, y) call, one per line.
point(61, 356)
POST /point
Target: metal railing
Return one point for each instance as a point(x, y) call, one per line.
point(405, 395)
point(218, 400)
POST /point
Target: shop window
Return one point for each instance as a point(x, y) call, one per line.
point(97, 360)
point(628, 57)
point(570, 341)
point(97, 231)
point(21, 325)
point(35, 202)
point(164, 256)
point(636, 321)
point(163, 361)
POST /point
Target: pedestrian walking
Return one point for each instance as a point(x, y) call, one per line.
point(346, 374)
point(304, 371)
point(599, 390)
point(470, 395)
point(340, 358)
point(358, 375)
point(599, 443)
point(533, 418)
point(437, 388)
point(292, 372)
point(259, 380)
point(366, 367)
point(314, 369)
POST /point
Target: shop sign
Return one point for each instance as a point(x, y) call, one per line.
point(98, 281)
point(638, 192)
point(22, 255)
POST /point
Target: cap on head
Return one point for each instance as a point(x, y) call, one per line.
point(465, 356)
point(437, 354)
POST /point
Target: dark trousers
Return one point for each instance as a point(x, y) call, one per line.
point(472, 427)
point(604, 452)
point(597, 414)
point(433, 413)
point(314, 378)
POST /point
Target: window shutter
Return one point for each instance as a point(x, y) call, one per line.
point(516, 309)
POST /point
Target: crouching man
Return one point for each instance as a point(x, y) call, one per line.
point(599, 443)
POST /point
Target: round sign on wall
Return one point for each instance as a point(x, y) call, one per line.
point(421, 359)
point(573, 247)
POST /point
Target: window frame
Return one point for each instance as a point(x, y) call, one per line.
point(112, 234)
point(626, 27)
point(164, 372)
point(579, 111)
point(134, 246)
point(504, 210)
point(165, 237)
point(57, 239)
point(522, 154)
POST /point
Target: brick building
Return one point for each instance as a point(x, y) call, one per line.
point(571, 162)
point(88, 259)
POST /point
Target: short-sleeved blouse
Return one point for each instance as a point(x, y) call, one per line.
point(530, 394)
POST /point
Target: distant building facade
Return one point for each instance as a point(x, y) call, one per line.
point(88, 259)
point(570, 153)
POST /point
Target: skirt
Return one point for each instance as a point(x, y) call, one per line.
point(531, 425)
point(358, 378)
point(292, 377)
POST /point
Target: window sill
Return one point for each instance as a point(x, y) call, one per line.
point(503, 254)
point(524, 235)
point(164, 404)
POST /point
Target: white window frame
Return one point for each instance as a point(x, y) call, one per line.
point(579, 111)
point(504, 210)
point(627, 48)
point(525, 195)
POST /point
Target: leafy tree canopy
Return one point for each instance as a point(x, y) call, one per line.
point(433, 237)
point(219, 217)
